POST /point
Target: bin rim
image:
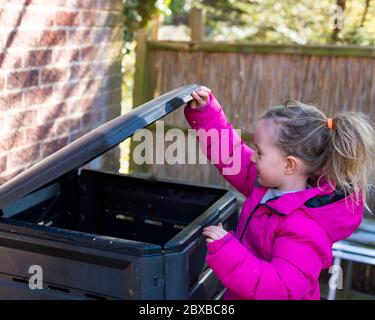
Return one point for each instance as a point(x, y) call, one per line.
point(93, 144)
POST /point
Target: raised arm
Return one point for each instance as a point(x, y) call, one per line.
point(234, 162)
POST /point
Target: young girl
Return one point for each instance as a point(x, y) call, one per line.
point(305, 188)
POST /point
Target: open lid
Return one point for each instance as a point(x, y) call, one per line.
point(93, 144)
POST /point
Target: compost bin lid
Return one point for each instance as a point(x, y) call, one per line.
point(93, 144)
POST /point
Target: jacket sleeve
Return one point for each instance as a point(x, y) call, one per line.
point(291, 274)
point(224, 147)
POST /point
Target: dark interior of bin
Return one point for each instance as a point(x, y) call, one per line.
point(121, 206)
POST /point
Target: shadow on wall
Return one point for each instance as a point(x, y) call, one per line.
point(91, 83)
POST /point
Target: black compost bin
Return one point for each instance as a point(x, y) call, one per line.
point(77, 233)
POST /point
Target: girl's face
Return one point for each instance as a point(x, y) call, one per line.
point(268, 159)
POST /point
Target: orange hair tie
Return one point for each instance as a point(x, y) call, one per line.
point(330, 123)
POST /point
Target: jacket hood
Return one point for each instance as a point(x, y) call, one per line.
point(337, 214)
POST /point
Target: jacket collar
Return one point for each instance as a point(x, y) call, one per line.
point(289, 202)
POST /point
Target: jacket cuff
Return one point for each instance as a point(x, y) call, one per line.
point(214, 246)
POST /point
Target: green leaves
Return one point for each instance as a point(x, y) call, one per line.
point(267, 21)
point(286, 21)
point(138, 13)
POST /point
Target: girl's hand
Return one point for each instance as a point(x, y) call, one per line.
point(200, 97)
point(214, 232)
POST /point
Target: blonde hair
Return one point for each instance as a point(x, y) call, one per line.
point(343, 154)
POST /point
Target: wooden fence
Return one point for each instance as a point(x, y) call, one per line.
point(248, 78)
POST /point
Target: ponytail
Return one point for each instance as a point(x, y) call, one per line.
point(350, 153)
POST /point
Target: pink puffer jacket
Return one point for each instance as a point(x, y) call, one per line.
point(278, 248)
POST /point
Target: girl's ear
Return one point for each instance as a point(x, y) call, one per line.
point(291, 165)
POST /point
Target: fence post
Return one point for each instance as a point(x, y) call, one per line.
point(144, 76)
point(197, 20)
point(140, 94)
point(140, 62)
point(150, 63)
point(155, 26)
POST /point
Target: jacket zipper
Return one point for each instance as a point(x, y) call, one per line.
point(248, 220)
point(252, 213)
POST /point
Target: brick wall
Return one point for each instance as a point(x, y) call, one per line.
point(60, 65)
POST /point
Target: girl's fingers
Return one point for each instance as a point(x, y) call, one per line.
point(203, 94)
point(211, 235)
point(198, 98)
point(214, 233)
point(219, 228)
point(193, 103)
point(217, 231)
point(203, 88)
point(214, 229)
